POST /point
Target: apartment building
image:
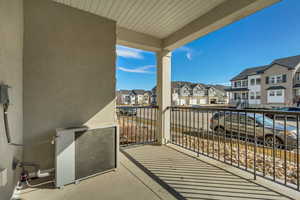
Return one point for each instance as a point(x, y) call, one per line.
point(273, 85)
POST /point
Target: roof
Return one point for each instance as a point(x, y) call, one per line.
point(289, 62)
point(279, 87)
point(138, 91)
point(123, 91)
point(296, 85)
point(250, 71)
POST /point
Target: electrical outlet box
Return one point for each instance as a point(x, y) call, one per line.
point(4, 99)
point(3, 177)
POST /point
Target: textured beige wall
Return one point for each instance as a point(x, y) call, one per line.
point(11, 42)
point(69, 74)
point(276, 70)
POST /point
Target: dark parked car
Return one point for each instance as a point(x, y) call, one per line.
point(128, 111)
point(244, 124)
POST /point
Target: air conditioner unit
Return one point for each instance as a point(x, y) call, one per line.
point(81, 152)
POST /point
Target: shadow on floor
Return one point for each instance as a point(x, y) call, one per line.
point(188, 178)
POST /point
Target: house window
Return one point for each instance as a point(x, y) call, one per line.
point(252, 95)
point(279, 93)
point(239, 84)
point(272, 93)
point(297, 76)
point(257, 95)
point(279, 78)
point(297, 92)
point(245, 83)
point(273, 79)
point(234, 84)
point(258, 81)
point(252, 81)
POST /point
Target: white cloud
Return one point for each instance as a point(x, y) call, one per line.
point(127, 52)
point(141, 70)
point(189, 55)
point(189, 52)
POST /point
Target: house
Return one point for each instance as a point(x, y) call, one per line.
point(147, 98)
point(187, 93)
point(275, 84)
point(123, 97)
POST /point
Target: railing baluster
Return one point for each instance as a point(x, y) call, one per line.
point(202, 133)
point(239, 137)
point(285, 150)
point(264, 150)
point(298, 140)
point(273, 149)
point(218, 130)
point(207, 132)
point(190, 128)
point(231, 137)
point(194, 128)
point(224, 154)
point(246, 142)
point(198, 132)
point(255, 145)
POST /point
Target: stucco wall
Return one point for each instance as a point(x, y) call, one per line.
point(11, 42)
point(69, 74)
point(276, 70)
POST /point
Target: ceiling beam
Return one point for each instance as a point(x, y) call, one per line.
point(220, 16)
point(138, 40)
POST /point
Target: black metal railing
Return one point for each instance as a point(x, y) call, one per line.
point(262, 142)
point(137, 124)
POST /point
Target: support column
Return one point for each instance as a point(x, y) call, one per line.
point(163, 93)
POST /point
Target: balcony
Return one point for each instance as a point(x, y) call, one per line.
point(199, 161)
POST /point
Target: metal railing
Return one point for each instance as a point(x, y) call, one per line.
point(138, 124)
point(262, 142)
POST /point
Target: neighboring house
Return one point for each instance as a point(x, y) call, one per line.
point(137, 97)
point(147, 97)
point(187, 93)
point(276, 84)
point(123, 97)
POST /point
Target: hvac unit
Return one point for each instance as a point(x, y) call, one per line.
point(82, 152)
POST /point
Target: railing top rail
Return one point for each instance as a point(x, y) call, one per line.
point(137, 106)
point(208, 108)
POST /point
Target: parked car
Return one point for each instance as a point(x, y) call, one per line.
point(244, 124)
point(285, 109)
point(128, 111)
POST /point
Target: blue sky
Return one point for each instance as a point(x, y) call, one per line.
point(215, 58)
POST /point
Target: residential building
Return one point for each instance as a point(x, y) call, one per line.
point(276, 84)
point(188, 93)
point(134, 97)
point(123, 97)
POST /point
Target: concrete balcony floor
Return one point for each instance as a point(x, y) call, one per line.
point(163, 172)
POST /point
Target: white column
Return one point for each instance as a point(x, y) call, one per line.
point(163, 93)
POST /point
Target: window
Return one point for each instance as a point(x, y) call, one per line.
point(239, 84)
point(297, 92)
point(272, 93)
point(252, 95)
point(245, 83)
point(279, 78)
point(273, 79)
point(279, 93)
point(257, 95)
point(297, 76)
point(252, 81)
point(235, 84)
point(244, 95)
point(258, 81)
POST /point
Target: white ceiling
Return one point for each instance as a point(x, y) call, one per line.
point(158, 18)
